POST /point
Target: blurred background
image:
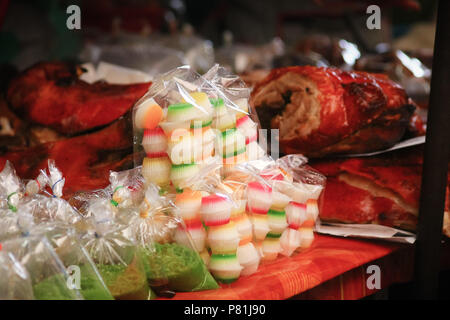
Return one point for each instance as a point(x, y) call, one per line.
point(249, 37)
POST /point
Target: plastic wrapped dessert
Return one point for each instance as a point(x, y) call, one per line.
point(173, 256)
point(143, 216)
point(15, 283)
point(186, 119)
point(197, 140)
point(118, 260)
point(48, 276)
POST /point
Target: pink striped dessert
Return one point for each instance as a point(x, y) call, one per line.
point(295, 214)
point(248, 128)
point(215, 210)
point(259, 197)
point(154, 141)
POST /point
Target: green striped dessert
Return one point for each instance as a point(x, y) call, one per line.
point(180, 112)
point(225, 267)
point(181, 172)
point(277, 221)
point(231, 141)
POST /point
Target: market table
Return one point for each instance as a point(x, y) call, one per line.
point(332, 268)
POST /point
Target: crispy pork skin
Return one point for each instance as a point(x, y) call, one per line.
point(323, 111)
point(383, 189)
point(84, 160)
point(51, 94)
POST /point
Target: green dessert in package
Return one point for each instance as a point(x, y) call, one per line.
point(126, 282)
point(92, 288)
point(183, 267)
point(55, 287)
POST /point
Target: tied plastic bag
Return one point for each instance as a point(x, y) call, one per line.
point(49, 209)
point(107, 238)
point(11, 188)
point(76, 259)
point(186, 119)
point(118, 260)
point(37, 185)
point(53, 180)
point(49, 278)
point(45, 206)
point(127, 187)
point(96, 204)
point(15, 224)
point(15, 282)
point(62, 237)
point(173, 256)
point(252, 196)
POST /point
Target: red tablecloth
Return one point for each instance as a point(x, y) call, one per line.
point(333, 268)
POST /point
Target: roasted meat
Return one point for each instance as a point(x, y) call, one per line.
point(323, 111)
point(85, 160)
point(383, 189)
point(50, 94)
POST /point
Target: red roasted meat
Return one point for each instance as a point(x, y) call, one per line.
point(323, 111)
point(51, 94)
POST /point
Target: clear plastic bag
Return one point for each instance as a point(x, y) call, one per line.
point(49, 278)
point(127, 188)
point(118, 260)
point(15, 282)
point(173, 256)
point(11, 188)
point(186, 119)
point(75, 258)
point(281, 200)
point(15, 224)
point(45, 206)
